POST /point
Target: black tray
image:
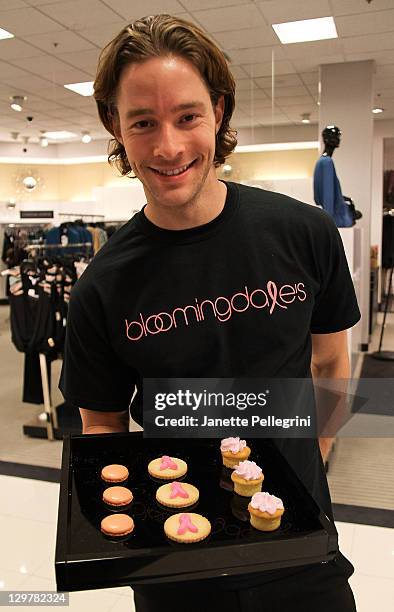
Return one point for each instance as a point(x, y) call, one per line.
point(86, 559)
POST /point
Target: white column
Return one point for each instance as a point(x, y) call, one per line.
point(346, 100)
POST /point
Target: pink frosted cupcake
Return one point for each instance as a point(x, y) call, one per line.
point(247, 478)
point(265, 511)
point(233, 451)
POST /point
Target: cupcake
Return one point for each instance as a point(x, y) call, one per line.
point(265, 511)
point(233, 451)
point(247, 478)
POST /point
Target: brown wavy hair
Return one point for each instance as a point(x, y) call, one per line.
point(155, 36)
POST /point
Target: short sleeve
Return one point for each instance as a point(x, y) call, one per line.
point(93, 376)
point(336, 305)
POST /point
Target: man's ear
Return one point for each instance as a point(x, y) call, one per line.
point(219, 112)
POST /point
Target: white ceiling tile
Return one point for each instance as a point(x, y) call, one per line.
point(13, 48)
point(313, 90)
point(29, 83)
point(73, 75)
point(241, 39)
point(293, 100)
point(312, 49)
point(247, 96)
point(44, 65)
point(7, 71)
point(86, 60)
point(288, 92)
point(42, 2)
point(371, 42)
point(56, 93)
point(385, 71)
point(59, 42)
point(358, 25)
point(238, 72)
point(294, 10)
point(16, 4)
point(312, 63)
point(254, 106)
point(265, 69)
point(352, 7)
point(387, 93)
point(283, 80)
point(381, 57)
point(139, 8)
point(245, 85)
point(252, 55)
point(76, 14)
point(310, 78)
point(234, 17)
point(195, 5)
point(102, 35)
point(28, 21)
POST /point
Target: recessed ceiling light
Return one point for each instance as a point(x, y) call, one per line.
point(306, 30)
point(5, 34)
point(305, 118)
point(83, 89)
point(59, 135)
point(17, 102)
point(86, 137)
point(376, 111)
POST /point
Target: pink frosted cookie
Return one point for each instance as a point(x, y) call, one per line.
point(167, 468)
point(187, 528)
point(233, 451)
point(177, 494)
point(265, 511)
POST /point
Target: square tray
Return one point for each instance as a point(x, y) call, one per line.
point(86, 559)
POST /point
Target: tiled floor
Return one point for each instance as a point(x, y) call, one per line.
point(28, 530)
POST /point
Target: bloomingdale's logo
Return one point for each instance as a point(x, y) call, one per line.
point(221, 308)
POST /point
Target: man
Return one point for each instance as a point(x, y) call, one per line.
point(160, 299)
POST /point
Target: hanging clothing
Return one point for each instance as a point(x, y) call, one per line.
point(328, 193)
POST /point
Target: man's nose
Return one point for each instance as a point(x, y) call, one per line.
point(169, 144)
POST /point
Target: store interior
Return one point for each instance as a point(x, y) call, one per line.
point(50, 178)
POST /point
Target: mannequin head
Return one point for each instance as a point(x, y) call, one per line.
point(332, 138)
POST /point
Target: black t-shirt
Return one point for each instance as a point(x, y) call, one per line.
point(236, 297)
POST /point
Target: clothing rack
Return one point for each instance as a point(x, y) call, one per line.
point(32, 247)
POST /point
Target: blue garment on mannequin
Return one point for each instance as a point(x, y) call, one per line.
point(328, 194)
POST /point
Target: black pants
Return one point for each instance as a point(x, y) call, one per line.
point(315, 588)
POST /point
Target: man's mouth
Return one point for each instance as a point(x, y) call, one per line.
point(173, 171)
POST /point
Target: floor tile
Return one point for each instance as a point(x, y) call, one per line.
point(10, 581)
point(345, 536)
point(125, 605)
point(372, 593)
point(25, 544)
point(29, 499)
point(373, 551)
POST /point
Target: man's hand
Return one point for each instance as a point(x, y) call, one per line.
point(97, 422)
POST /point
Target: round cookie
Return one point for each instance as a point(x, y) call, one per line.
point(114, 473)
point(187, 527)
point(177, 494)
point(167, 468)
point(117, 525)
point(117, 497)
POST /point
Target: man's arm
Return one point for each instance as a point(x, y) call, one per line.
point(330, 360)
point(97, 422)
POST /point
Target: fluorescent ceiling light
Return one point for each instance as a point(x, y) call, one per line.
point(59, 135)
point(306, 30)
point(5, 34)
point(280, 146)
point(83, 89)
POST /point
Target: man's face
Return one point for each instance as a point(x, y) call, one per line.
point(168, 127)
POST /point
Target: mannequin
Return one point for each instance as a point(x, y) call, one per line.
point(326, 186)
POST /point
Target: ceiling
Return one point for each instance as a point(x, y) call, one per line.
point(58, 42)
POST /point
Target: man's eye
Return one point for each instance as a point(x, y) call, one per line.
point(189, 118)
point(142, 124)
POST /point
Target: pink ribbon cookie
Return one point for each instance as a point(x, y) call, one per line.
point(178, 491)
point(167, 463)
point(185, 524)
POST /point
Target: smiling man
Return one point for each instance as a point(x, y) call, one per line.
point(210, 279)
